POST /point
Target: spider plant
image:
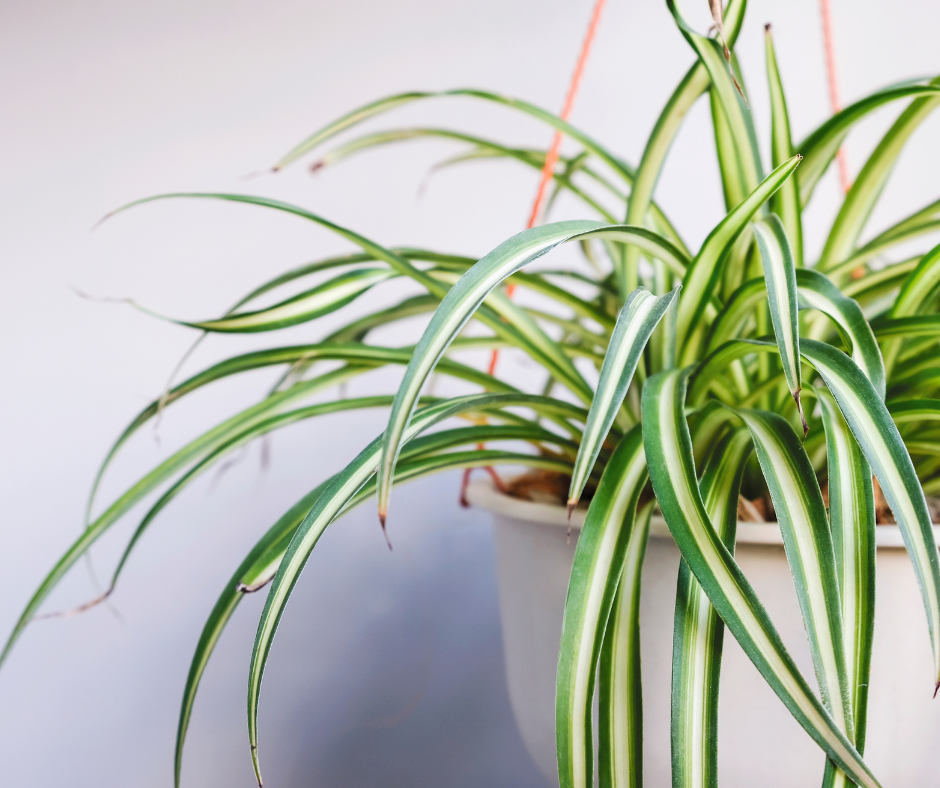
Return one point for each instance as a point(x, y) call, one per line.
point(673, 378)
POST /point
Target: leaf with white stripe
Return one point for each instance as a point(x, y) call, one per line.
point(801, 513)
point(878, 437)
point(468, 294)
point(635, 324)
point(669, 457)
point(780, 276)
point(699, 633)
point(598, 563)
point(705, 271)
point(852, 521)
point(309, 305)
point(620, 686)
point(786, 202)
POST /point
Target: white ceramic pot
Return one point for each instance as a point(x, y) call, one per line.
point(759, 742)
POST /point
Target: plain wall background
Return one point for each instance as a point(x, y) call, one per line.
point(387, 666)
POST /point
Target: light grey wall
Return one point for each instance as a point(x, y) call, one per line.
point(387, 666)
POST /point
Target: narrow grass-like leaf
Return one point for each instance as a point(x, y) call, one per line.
point(458, 307)
point(852, 520)
point(316, 302)
point(801, 514)
point(786, 202)
point(861, 199)
point(639, 316)
point(918, 289)
point(598, 564)
point(880, 442)
point(723, 82)
point(693, 84)
point(669, 456)
point(705, 271)
point(620, 688)
point(699, 633)
point(822, 144)
point(780, 277)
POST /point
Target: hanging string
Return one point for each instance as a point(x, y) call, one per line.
point(551, 158)
point(548, 170)
point(834, 101)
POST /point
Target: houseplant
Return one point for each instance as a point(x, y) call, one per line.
point(721, 302)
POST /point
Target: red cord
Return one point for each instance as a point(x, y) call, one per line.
point(551, 158)
point(548, 170)
point(834, 101)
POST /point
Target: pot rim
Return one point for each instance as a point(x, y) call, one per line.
point(482, 494)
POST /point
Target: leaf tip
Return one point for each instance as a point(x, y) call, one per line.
point(936, 689)
point(767, 28)
point(384, 530)
point(572, 503)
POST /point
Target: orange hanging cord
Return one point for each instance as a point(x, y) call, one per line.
point(832, 74)
point(548, 170)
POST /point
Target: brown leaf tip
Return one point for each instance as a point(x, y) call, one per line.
point(572, 503)
point(936, 689)
point(767, 28)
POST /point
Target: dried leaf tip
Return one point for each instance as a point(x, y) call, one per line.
point(384, 531)
point(767, 28)
point(936, 689)
point(572, 503)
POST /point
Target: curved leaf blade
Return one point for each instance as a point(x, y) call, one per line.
point(699, 632)
point(669, 457)
point(635, 324)
point(880, 442)
point(598, 564)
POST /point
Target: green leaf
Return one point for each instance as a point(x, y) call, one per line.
point(316, 302)
point(880, 442)
point(635, 323)
point(620, 686)
point(786, 202)
point(915, 296)
point(598, 563)
point(730, 99)
point(801, 514)
point(852, 520)
point(693, 84)
point(669, 456)
point(816, 291)
point(926, 220)
point(699, 633)
point(477, 285)
point(861, 199)
point(705, 271)
point(821, 146)
point(780, 279)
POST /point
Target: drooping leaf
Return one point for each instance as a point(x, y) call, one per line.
point(780, 278)
point(852, 520)
point(880, 442)
point(801, 514)
point(669, 456)
point(699, 633)
point(620, 687)
point(598, 563)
